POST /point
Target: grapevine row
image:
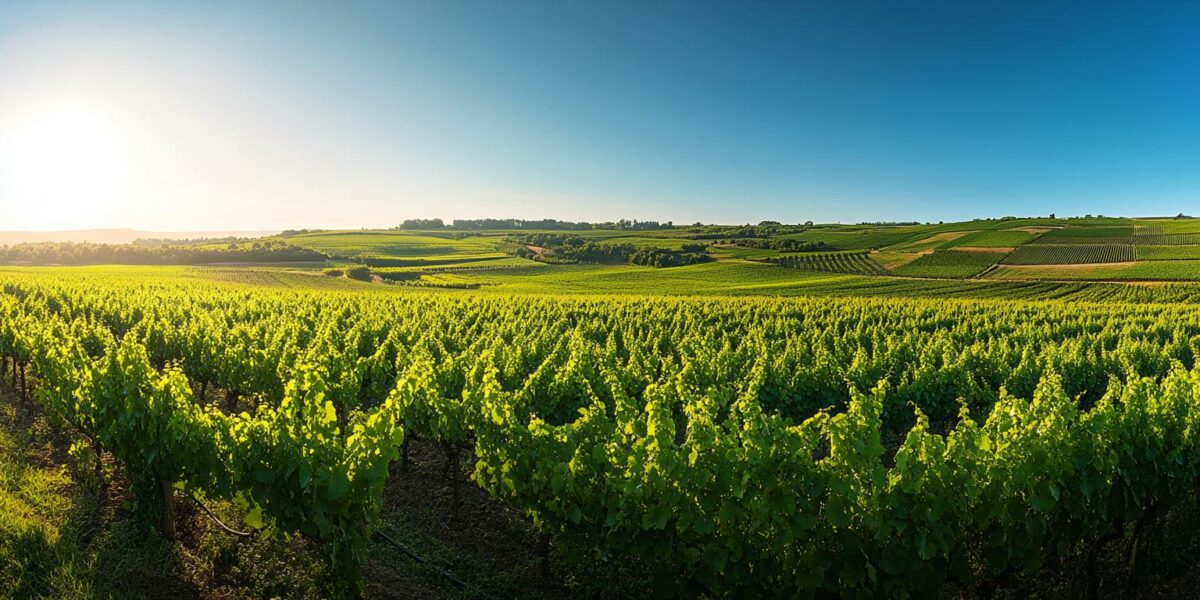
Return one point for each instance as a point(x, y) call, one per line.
point(1069, 254)
point(732, 447)
point(857, 263)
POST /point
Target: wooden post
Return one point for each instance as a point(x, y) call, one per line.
point(168, 510)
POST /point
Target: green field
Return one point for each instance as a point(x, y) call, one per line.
point(856, 263)
point(928, 243)
point(1156, 270)
point(1166, 226)
point(1171, 252)
point(864, 238)
point(1069, 254)
point(398, 246)
point(943, 317)
point(954, 264)
point(724, 251)
point(522, 400)
point(993, 239)
point(486, 260)
point(1076, 234)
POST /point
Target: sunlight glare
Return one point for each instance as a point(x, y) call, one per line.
point(61, 164)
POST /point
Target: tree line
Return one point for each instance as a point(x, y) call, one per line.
point(75, 253)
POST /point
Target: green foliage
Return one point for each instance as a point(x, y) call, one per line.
point(359, 272)
point(268, 251)
point(736, 447)
point(302, 466)
point(662, 257)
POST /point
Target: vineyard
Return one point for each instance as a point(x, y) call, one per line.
point(953, 264)
point(1070, 254)
point(1160, 235)
point(857, 263)
point(1167, 239)
point(721, 446)
point(1122, 234)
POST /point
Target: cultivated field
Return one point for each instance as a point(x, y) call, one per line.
point(742, 411)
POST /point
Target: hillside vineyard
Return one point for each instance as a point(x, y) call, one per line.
point(731, 446)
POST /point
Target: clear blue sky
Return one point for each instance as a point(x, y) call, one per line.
point(288, 114)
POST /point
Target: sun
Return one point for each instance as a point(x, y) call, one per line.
point(61, 164)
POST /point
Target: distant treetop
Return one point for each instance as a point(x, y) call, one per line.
point(542, 224)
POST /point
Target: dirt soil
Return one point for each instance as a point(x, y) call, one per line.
point(459, 531)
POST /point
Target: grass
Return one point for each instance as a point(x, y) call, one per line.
point(55, 538)
point(40, 553)
point(64, 537)
point(950, 263)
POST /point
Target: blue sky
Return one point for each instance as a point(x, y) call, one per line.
point(291, 115)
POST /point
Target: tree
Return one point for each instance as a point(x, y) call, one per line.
point(422, 224)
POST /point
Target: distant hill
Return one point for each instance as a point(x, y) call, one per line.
point(116, 236)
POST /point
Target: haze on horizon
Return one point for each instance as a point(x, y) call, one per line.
point(221, 116)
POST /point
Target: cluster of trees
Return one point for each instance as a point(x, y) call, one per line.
point(70, 253)
point(574, 249)
point(422, 224)
point(550, 240)
point(295, 232)
point(665, 257)
point(359, 272)
point(200, 240)
point(783, 245)
point(548, 224)
point(565, 248)
point(765, 229)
